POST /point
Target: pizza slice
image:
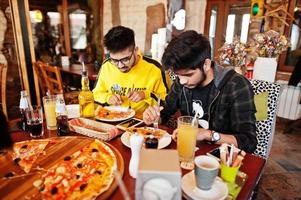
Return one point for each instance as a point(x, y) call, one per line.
point(83, 175)
point(26, 153)
point(147, 131)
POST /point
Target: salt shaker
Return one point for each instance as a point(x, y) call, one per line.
point(136, 142)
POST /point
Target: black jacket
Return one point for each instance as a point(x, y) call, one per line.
point(231, 106)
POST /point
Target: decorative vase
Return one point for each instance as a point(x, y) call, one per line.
point(265, 69)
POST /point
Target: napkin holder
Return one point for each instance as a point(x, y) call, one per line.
point(159, 173)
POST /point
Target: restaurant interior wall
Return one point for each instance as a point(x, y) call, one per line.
point(133, 15)
point(13, 82)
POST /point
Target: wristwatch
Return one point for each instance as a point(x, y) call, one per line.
point(215, 136)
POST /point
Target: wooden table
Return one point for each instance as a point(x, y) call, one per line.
point(252, 165)
point(76, 69)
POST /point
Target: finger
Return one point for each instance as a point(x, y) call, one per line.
point(146, 117)
point(153, 114)
point(118, 99)
point(130, 94)
point(175, 135)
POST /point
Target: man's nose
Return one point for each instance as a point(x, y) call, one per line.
point(120, 64)
point(183, 81)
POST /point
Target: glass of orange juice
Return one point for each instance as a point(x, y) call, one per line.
point(186, 140)
point(49, 109)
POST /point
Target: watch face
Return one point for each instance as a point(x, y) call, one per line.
point(215, 136)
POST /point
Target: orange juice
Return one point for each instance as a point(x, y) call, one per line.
point(186, 141)
point(49, 109)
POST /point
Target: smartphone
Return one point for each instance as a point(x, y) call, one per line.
point(215, 153)
point(133, 122)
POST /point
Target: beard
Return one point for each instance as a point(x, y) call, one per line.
point(198, 83)
point(125, 69)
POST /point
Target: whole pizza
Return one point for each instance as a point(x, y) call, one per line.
point(85, 174)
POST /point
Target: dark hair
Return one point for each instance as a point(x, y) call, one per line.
point(119, 38)
point(189, 50)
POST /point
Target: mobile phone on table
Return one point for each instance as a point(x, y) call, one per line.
point(133, 122)
point(215, 153)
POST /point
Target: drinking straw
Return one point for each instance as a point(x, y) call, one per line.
point(223, 154)
point(194, 119)
point(231, 155)
point(121, 185)
point(237, 161)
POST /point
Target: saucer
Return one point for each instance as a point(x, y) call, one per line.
point(218, 191)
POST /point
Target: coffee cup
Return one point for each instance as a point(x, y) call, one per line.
point(206, 169)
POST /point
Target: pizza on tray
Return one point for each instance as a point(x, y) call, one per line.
point(85, 174)
point(111, 114)
point(26, 153)
point(147, 131)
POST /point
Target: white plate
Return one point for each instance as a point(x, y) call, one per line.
point(163, 142)
point(218, 191)
point(117, 108)
point(73, 111)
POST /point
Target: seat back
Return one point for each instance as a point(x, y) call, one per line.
point(265, 128)
point(52, 78)
point(38, 68)
point(3, 74)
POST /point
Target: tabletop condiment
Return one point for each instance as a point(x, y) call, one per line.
point(136, 141)
point(151, 142)
point(85, 97)
point(61, 116)
point(24, 104)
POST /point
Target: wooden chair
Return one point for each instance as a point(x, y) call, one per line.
point(3, 74)
point(50, 80)
point(38, 67)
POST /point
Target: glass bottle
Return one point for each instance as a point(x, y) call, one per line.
point(61, 116)
point(85, 97)
point(24, 104)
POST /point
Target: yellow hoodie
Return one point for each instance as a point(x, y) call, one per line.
point(144, 76)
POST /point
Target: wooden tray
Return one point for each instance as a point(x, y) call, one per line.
point(22, 187)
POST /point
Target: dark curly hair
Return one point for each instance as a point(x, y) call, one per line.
point(189, 50)
point(119, 38)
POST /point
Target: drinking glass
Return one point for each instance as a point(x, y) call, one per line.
point(186, 140)
point(49, 108)
point(34, 117)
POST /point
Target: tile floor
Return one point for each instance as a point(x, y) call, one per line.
point(282, 175)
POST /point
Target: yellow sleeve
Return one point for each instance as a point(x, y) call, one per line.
point(159, 90)
point(100, 92)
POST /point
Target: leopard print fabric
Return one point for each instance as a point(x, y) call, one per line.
point(265, 128)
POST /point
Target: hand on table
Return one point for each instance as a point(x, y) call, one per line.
point(136, 96)
point(115, 100)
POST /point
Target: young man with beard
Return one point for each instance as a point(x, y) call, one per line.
point(127, 77)
point(222, 100)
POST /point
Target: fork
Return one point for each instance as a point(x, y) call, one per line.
point(156, 123)
point(130, 107)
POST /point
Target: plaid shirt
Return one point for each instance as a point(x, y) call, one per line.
point(231, 108)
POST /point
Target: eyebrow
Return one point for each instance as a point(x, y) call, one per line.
point(121, 58)
point(187, 74)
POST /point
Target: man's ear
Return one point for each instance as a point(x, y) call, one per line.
point(207, 65)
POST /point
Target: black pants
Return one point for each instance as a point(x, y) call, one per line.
point(296, 75)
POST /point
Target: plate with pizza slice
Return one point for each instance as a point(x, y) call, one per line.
point(164, 138)
point(113, 113)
